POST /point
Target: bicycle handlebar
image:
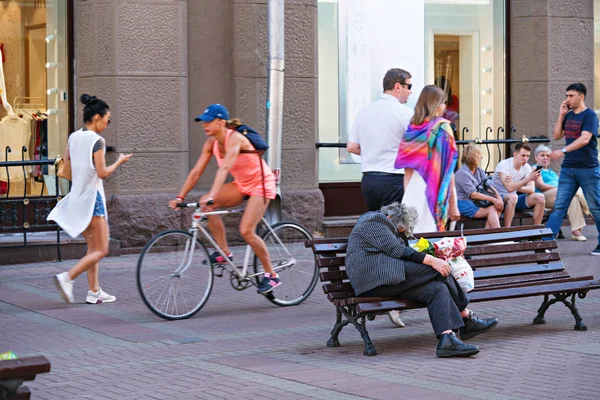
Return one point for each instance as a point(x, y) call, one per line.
point(188, 205)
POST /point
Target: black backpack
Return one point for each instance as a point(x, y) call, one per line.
point(254, 137)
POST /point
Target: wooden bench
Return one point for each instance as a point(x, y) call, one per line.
point(22, 369)
point(525, 265)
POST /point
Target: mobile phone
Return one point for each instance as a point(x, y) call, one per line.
point(538, 168)
point(133, 150)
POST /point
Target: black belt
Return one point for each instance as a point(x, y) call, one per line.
point(375, 173)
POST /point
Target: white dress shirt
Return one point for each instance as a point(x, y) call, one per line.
point(378, 130)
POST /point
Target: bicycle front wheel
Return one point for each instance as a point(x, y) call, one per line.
point(174, 275)
point(292, 261)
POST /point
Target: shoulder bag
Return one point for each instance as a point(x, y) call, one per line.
point(483, 188)
point(63, 165)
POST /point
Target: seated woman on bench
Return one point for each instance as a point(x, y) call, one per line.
point(379, 263)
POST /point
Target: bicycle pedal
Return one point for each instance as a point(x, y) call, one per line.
point(218, 270)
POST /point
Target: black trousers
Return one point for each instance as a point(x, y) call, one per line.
point(443, 297)
point(380, 189)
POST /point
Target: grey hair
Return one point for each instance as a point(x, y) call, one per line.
point(402, 216)
point(542, 149)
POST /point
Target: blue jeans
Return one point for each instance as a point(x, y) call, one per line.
point(571, 179)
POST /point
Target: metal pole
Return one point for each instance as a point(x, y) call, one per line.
point(275, 94)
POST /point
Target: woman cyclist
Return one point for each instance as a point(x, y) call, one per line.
point(252, 181)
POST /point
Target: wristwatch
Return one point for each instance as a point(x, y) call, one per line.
point(564, 150)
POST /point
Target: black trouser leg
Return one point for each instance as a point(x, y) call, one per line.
point(443, 297)
point(381, 190)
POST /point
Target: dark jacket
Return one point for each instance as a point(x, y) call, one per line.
point(376, 253)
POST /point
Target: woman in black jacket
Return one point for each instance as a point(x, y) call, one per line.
point(380, 264)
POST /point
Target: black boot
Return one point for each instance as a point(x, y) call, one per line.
point(451, 346)
point(475, 325)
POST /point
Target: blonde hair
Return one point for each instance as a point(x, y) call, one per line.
point(429, 100)
point(469, 154)
point(233, 123)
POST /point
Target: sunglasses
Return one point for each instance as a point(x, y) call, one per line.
point(408, 85)
point(109, 121)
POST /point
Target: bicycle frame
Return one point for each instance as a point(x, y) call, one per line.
point(197, 218)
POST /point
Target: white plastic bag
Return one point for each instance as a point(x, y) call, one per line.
point(463, 273)
point(451, 250)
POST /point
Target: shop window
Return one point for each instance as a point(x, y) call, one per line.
point(34, 84)
point(459, 44)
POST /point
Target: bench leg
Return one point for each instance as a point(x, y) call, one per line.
point(351, 317)
point(337, 328)
point(563, 298)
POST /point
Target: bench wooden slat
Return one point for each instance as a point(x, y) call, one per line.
point(333, 276)
point(519, 270)
point(24, 367)
point(340, 295)
point(388, 305)
point(512, 260)
point(330, 261)
point(485, 238)
point(482, 284)
point(479, 231)
point(533, 290)
point(509, 248)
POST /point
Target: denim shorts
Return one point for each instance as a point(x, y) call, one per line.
point(467, 208)
point(522, 203)
point(99, 206)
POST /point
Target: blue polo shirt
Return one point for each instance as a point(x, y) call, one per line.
point(573, 125)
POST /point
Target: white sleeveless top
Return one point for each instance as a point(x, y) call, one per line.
point(74, 212)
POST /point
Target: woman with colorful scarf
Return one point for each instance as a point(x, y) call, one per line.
point(428, 153)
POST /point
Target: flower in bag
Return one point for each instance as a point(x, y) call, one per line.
point(424, 246)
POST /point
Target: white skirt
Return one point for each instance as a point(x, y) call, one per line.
point(414, 195)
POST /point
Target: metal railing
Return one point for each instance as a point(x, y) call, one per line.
point(487, 142)
point(27, 214)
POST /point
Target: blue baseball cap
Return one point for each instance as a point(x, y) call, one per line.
point(213, 111)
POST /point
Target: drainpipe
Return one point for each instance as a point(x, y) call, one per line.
point(275, 98)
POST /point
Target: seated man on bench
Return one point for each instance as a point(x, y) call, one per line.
point(514, 174)
point(380, 264)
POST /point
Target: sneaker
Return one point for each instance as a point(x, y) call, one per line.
point(268, 284)
point(217, 258)
point(99, 297)
point(395, 318)
point(596, 251)
point(64, 286)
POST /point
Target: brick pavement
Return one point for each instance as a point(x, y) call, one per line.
point(122, 351)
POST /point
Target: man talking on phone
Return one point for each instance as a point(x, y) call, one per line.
point(580, 167)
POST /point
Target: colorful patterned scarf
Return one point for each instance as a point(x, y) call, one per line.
point(431, 150)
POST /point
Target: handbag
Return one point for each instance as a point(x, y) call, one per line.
point(483, 188)
point(63, 166)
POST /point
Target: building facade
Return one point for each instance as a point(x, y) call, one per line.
point(158, 63)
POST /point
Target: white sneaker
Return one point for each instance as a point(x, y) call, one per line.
point(395, 318)
point(99, 297)
point(64, 286)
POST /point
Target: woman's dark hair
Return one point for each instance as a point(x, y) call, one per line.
point(92, 107)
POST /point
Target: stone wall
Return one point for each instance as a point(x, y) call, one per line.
point(158, 64)
point(551, 46)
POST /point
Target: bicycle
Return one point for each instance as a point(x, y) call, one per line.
point(175, 265)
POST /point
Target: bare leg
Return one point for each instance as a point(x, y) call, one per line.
point(493, 220)
point(92, 275)
point(255, 209)
point(228, 196)
point(96, 237)
point(538, 202)
point(510, 202)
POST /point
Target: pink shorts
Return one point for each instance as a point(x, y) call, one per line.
point(256, 188)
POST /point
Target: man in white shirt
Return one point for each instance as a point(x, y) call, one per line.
point(376, 136)
point(514, 174)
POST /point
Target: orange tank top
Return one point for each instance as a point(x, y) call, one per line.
point(247, 168)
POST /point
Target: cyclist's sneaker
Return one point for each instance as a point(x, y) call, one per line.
point(99, 297)
point(268, 284)
point(217, 258)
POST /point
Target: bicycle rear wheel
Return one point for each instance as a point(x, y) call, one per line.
point(174, 280)
point(293, 262)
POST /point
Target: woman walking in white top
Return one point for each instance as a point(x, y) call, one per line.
point(83, 210)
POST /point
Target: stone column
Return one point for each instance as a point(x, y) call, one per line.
point(133, 55)
point(302, 200)
point(552, 46)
